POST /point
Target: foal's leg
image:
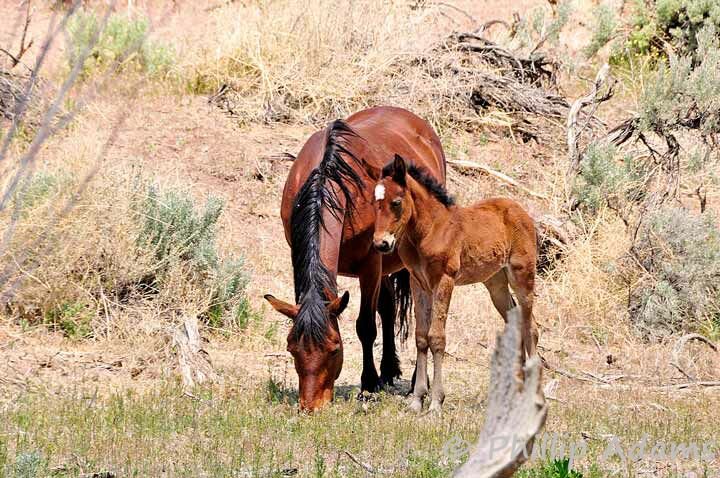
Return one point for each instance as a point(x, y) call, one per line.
point(390, 363)
point(521, 273)
point(423, 306)
point(436, 337)
point(500, 295)
point(365, 326)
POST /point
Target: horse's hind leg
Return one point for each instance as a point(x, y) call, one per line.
point(390, 363)
point(521, 274)
point(500, 295)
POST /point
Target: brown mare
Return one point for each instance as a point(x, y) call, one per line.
point(444, 245)
point(328, 217)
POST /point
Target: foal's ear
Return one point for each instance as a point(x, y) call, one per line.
point(288, 310)
point(336, 307)
point(399, 170)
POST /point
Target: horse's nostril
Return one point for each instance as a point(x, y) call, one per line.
point(382, 245)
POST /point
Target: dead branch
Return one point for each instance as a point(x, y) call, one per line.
point(193, 360)
point(594, 97)
point(516, 410)
point(680, 345)
point(23, 48)
point(496, 174)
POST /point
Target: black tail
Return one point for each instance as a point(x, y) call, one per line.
point(402, 296)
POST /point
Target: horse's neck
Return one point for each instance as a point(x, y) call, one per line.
point(427, 211)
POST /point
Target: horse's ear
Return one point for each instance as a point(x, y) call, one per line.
point(288, 310)
point(399, 170)
point(336, 307)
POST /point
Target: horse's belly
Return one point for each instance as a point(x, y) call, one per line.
point(473, 275)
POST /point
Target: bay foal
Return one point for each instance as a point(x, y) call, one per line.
point(444, 245)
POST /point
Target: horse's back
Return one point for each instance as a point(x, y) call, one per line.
point(382, 132)
point(389, 130)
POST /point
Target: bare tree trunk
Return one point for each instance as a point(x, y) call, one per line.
point(193, 360)
point(516, 410)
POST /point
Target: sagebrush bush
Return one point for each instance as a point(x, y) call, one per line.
point(604, 28)
point(654, 26)
point(607, 178)
point(122, 43)
point(683, 93)
point(679, 288)
point(175, 231)
point(124, 245)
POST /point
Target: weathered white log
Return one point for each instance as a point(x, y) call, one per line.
point(516, 409)
point(193, 360)
point(496, 174)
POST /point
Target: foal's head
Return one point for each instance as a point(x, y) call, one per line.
point(318, 357)
point(393, 206)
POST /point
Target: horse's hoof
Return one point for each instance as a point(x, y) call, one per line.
point(416, 405)
point(371, 384)
point(435, 407)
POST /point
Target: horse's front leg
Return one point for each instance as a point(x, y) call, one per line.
point(365, 326)
point(423, 307)
point(436, 337)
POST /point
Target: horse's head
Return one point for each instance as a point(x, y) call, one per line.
point(393, 206)
point(318, 357)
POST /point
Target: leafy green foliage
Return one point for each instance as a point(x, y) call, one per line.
point(681, 289)
point(72, 318)
point(122, 43)
point(559, 468)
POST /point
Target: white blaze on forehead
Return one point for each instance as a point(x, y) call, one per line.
point(379, 192)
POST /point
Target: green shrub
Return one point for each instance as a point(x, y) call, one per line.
point(684, 93)
point(28, 465)
point(559, 468)
point(655, 25)
point(122, 43)
point(124, 247)
point(605, 180)
point(680, 291)
point(180, 235)
point(605, 25)
point(72, 318)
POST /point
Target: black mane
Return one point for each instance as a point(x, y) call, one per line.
point(312, 279)
point(422, 176)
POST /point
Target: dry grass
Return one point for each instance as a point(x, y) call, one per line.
point(78, 407)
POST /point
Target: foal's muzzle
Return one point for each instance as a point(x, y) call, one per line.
point(385, 244)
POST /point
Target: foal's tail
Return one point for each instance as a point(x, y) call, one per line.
point(402, 295)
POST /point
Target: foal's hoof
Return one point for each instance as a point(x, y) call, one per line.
point(416, 405)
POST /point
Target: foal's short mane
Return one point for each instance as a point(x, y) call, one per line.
point(422, 176)
point(312, 279)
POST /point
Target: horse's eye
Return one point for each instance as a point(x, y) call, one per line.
point(396, 202)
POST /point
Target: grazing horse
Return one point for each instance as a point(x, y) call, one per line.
point(444, 245)
point(328, 218)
